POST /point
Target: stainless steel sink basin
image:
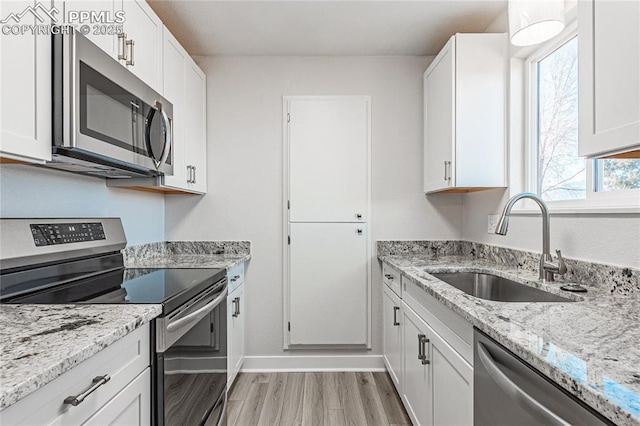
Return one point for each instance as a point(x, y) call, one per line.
point(491, 287)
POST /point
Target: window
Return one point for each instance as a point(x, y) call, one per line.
point(557, 173)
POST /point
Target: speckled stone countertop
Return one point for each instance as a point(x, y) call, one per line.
point(590, 347)
point(188, 254)
point(41, 342)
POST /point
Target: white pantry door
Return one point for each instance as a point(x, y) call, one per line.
point(329, 291)
point(328, 159)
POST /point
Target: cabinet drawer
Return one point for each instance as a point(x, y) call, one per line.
point(235, 276)
point(122, 361)
point(391, 278)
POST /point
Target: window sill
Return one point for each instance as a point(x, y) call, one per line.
point(581, 210)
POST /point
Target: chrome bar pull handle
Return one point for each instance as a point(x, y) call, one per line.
point(236, 307)
point(395, 315)
point(194, 174)
point(422, 349)
point(389, 277)
point(122, 50)
point(131, 44)
point(97, 382)
point(447, 170)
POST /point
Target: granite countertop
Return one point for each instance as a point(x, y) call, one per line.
point(590, 347)
point(41, 342)
point(188, 254)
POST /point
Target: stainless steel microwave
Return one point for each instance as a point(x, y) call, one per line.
point(106, 121)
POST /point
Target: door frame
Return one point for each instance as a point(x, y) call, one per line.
point(286, 287)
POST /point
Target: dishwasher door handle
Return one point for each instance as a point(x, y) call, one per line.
point(514, 391)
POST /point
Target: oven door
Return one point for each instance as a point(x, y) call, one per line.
point(191, 372)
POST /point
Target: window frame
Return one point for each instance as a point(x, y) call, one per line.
point(620, 201)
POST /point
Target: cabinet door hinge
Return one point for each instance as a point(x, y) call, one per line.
point(288, 118)
point(289, 239)
point(288, 205)
point(289, 325)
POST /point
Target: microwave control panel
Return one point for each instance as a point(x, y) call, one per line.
point(65, 233)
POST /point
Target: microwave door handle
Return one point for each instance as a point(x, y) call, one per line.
point(168, 132)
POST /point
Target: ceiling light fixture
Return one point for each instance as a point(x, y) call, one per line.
point(534, 21)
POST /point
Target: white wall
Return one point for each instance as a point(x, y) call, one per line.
point(27, 191)
point(603, 238)
point(245, 168)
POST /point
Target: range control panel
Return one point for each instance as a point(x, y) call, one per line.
point(65, 233)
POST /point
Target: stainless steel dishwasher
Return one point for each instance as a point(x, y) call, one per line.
point(507, 391)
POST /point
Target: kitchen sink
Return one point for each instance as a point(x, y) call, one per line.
point(491, 287)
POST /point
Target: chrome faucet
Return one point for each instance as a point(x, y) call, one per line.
point(547, 267)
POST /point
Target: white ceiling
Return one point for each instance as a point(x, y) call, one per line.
point(332, 28)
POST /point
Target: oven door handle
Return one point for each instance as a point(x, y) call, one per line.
point(196, 314)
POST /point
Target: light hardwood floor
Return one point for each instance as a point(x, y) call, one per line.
point(329, 399)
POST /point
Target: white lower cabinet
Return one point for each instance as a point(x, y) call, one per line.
point(417, 381)
point(434, 380)
point(392, 332)
point(452, 384)
point(129, 407)
point(235, 323)
point(125, 399)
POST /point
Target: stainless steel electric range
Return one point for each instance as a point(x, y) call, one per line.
point(69, 261)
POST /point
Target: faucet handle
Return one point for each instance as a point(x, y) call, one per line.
point(562, 266)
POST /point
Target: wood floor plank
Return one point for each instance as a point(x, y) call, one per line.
point(233, 411)
point(373, 409)
point(334, 418)
point(252, 406)
point(353, 411)
point(240, 387)
point(312, 403)
point(331, 392)
point(274, 400)
point(391, 402)
point(262, 378)
point(297, 399)
point(293, 397)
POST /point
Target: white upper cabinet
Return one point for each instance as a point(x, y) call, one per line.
point(196, 126)
point(465, 92)
point(142, 42)
point(185, 87)
point(609, 77)
point(25, 89)
point(174, 91)
point(328, 159)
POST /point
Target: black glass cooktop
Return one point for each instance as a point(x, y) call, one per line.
point(170, 287)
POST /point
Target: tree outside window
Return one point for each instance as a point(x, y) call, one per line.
point(561, 174)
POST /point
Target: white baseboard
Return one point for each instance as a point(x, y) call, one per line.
point(301, 363)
